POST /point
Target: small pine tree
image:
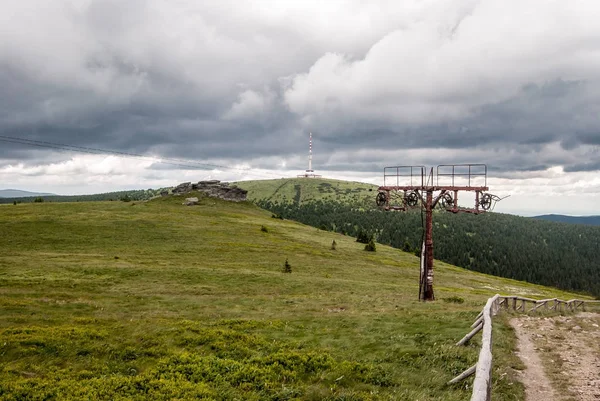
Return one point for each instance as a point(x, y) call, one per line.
point(39, 199)
point(15, 203)
point(287, 268)
point(333, 245)
point(371, 246)
point(363, 237)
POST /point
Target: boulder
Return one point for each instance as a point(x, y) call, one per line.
point(183, 188)
point(209, 183)
point(190, 201)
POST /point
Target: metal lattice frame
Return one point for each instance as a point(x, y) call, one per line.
point(411, 185)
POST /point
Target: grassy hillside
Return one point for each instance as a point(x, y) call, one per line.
point(521, 248)
point(155, 300)
point(300, 190)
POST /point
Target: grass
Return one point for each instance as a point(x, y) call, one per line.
point(155, 300)
point(299, 190)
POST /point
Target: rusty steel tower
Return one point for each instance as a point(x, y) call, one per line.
point(408, 187)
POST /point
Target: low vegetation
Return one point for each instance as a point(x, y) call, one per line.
point(155, 300)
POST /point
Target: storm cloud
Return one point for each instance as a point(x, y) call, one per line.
point(515, 84)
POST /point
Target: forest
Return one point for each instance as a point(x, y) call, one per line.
point(537, 251)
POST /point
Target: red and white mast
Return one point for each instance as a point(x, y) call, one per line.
point(310, 170)
point(309, 173)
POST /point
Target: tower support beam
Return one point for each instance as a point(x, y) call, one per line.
point(427, 279)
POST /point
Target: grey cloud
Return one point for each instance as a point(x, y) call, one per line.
point(588, 166)
point(214, 82)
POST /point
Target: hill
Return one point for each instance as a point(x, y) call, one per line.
point(559, 218)
point(302, 190)
point(16, 193)
point(155, 300)
point(537, 251)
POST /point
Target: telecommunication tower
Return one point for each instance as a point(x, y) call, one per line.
point(406, 187)
point(309, 173)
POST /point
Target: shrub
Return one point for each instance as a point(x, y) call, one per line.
point(264, 229)
point(454, 299)
point(39, 199)
point(370, 246)
point(363, 237)
point(287, 268)
point(333, 245)
point(126, 198)
point(15, 203)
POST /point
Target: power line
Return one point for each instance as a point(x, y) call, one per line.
point(97, 151)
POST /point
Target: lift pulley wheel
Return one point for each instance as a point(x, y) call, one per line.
point(447, 201)
point(381, 199)
point(411, 199)
point(485, 201)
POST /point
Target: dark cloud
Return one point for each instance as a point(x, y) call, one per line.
point(586, 166)
point(189, 81)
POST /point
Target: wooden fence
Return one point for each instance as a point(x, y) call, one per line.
point(482, 385)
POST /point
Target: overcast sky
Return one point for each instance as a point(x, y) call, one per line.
point(511, 83)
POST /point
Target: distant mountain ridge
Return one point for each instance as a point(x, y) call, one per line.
point(131, 195)
point(560, 218)
point(17, 193)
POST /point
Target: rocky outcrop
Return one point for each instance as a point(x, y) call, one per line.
point(213, 188)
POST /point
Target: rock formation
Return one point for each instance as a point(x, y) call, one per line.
point(213, 188)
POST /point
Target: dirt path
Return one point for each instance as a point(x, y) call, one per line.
point(537, 385)
point(562, 356)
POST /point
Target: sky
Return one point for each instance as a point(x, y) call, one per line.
point(514, 84)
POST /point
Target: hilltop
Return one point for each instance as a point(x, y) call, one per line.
point(559, 218)
point(303, 190)
point(155, 300)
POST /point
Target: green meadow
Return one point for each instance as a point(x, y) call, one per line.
point(158, 301)
point(301, 190)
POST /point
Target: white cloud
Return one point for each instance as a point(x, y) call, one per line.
point(445, 65)
point(251, 105)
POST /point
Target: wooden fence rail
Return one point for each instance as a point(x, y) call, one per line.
point(482, 385)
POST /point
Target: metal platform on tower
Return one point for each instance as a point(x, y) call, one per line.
point(404, 186)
